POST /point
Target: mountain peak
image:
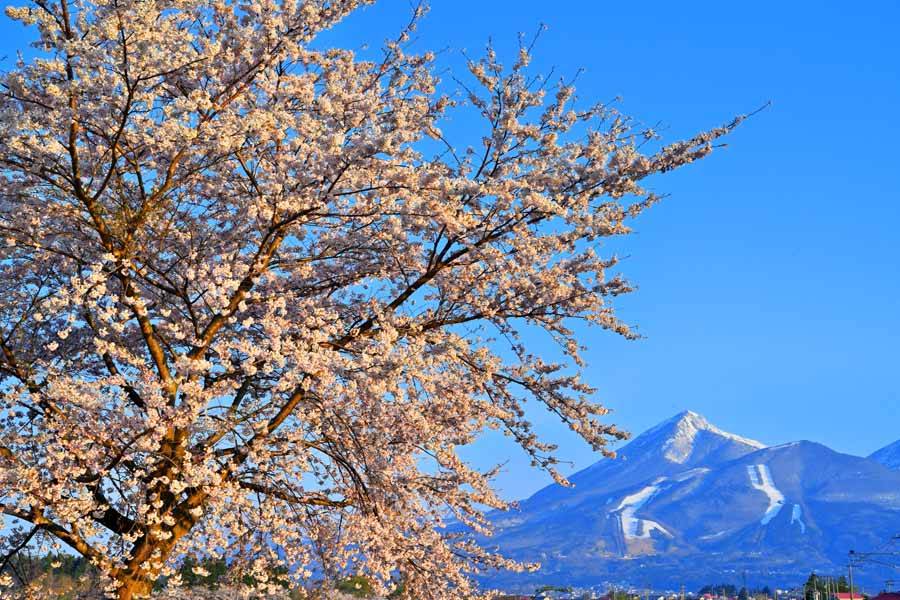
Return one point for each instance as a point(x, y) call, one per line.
point(678, 435)
point(674, 446)
point(689, 418)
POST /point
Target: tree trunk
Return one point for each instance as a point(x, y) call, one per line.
point(136, 579)
point(133, 589)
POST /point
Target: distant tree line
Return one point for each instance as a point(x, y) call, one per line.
point(66, 576)
point(552, 588)
point(720, 589)
point(732, 591)
point(819, 587)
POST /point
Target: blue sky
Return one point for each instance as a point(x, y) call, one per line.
point(769, 280)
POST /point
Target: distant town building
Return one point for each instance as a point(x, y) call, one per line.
point(887, 596)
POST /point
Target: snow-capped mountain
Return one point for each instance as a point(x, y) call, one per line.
point(688, 501)
point(677, 445)
point(889, 456)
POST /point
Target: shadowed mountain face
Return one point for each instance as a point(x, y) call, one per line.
point(689, 503)
point(888, 456)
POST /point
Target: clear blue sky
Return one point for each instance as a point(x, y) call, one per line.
point(769, 280)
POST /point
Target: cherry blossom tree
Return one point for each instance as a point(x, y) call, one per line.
point(253, 299)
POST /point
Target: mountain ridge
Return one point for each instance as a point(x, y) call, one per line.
point(688, 498)
point(888, 456)
point(674, 445)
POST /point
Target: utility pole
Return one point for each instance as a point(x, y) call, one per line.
point(850, 569)
point(682, 591)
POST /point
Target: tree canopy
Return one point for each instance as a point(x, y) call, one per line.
point(247, 310)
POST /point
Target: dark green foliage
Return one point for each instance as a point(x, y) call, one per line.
point(277, 575)
point(357, 586)
point(56, 575)
point(552, 588)
point(398, 591)
point(216, 568)
point(721, 589)
point(826, 585)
